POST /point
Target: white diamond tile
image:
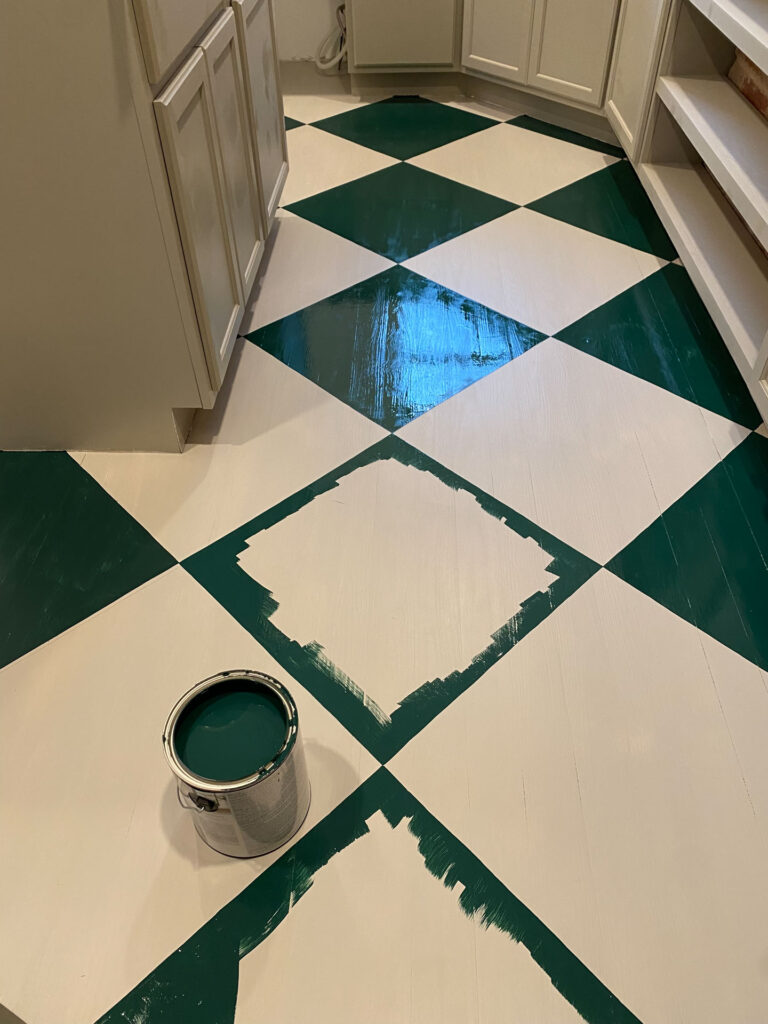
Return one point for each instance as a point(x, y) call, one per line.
point(513, 163)
point(271, 432)
point(541, 271)
point(387, 941)
point(304, 263)
point(610, 771)
point(398, 577)
point(585, 450)
point(763, 429)
point(104, 873)
point(318, 161)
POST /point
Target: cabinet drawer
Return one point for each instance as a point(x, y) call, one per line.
point(167, 27)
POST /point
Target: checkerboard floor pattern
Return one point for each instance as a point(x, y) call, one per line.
point(486, 490)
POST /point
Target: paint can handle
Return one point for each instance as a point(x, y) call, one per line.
point(196, 802)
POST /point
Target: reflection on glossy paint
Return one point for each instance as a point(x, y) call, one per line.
point(395, 345)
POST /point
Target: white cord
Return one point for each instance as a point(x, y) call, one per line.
point(334, 47)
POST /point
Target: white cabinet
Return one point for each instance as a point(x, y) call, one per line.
point(167, 27)
point(222, 59)
point(571, 48)
point(401, 32)
point(186, 115)
point(497, 37)
point(561, 47)
point(256, 35)
point(636, 58)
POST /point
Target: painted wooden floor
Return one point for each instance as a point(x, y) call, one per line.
point(486, 491)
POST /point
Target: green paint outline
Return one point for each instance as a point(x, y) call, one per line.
point(197, 984)
point(252, 605)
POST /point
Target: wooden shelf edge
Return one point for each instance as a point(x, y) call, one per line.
point(727, 267)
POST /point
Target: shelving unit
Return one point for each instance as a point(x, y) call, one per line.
point(704, 163)
point(744, 22)
point(730, 136)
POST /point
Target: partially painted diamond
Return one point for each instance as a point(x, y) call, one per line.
point(369, 587)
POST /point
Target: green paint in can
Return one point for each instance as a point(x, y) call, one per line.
point(231, 731)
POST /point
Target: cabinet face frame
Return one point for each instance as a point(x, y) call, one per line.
point(589, 94)
point(223, 38)
point(245, 10)
point(190, 84)
point(477, 62)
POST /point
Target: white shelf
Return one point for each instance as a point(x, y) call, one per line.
point(744, 22)
point(727, 267)
point(731, 138)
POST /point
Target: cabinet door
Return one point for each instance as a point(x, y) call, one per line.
point(633, 71)
point(222, 60)
point(497, 37)
point(402, 32)
point(187, 122)
point(571, 48)
point(256, 35)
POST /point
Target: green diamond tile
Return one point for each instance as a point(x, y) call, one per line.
point(67, 549)
point(565, 135)
point(395, 344)
point(661, 331)
point(291, 122)
point(404, 126)
point(198, 983)
point(218, 568)
point(401, 211)
point(614, 204)
point(706, 557)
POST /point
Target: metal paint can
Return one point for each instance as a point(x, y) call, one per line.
point(257, 813)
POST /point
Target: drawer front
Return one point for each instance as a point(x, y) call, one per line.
point(167, 27)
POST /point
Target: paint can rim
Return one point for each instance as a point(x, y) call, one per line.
point(199, 782)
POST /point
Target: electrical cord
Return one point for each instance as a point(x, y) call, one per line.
point(333, 48)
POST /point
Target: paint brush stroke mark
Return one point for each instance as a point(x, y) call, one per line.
point(253, 606)
point(198, 983)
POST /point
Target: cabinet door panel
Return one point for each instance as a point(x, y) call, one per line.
point(222, 60)
point(256, 35)
point(571, 48)
point(635, 62)
point(497, 37)
point(186, 117)
point(403, 32)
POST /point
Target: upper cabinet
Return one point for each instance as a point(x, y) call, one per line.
point(258, 53)
point(571, 48)
point(636, 59)
point(167, 27)
point(562, 47)
point(401, 32)
point(497, 37)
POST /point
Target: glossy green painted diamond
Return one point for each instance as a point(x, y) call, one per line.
point(395, 345)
